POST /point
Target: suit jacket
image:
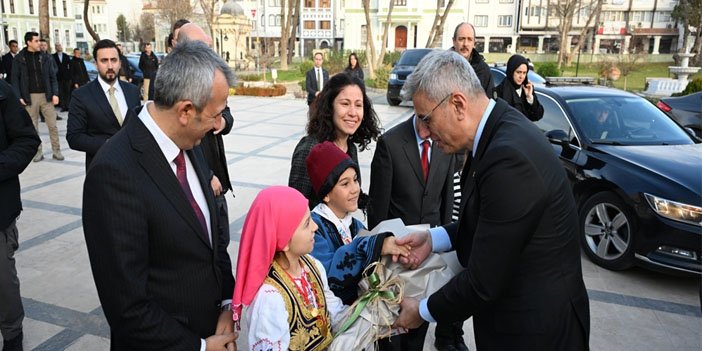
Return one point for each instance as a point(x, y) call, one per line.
point(6, 66)
point(159, 280)
point(398, 188)
point(91, 120)
point(64, 67)
point(18, 144)
point(311, 83)
point(517, 237)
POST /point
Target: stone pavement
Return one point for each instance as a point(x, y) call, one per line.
point(632, 310)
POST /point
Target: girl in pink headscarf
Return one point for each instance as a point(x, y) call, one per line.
point(288, 303)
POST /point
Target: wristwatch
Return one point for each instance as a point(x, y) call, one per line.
point(227, 307)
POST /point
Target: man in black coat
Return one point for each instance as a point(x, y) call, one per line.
point(316, 78)
point(79, 74)
point(159, 260)
point(63, 76)
point(91, 118)
point(6, 65)
point(517, 233)
point(464, 44)
point(148, 64)
point(18, 143)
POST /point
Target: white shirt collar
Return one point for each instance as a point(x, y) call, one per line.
point(169, 149)
point(105, 86)
point(481, 125)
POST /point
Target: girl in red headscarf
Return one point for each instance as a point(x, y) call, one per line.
point(288, 303)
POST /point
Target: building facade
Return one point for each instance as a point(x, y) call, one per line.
point(21, 16)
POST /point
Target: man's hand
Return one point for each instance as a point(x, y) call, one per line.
point(22, 102)
point(529, 89)
point(223, 342)
point(222, 125)
point(54, 100)
point(421, 245)
point(225, 326)
point(390, 247)
point(409, 314)
point(216, 185)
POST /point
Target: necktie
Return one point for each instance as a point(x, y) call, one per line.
point(319, 79)
point(114, 104)
point(182, 176)
point(425, 159)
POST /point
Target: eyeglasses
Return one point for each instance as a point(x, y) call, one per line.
point(425, 119)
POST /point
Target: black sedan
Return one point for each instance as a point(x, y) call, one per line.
point(636, 176)
point(400, 70)
point(686, 110)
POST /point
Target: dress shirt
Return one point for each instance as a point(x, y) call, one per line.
point(420, 140)
point(440, 241)
point(320, 74)
point(119, 95)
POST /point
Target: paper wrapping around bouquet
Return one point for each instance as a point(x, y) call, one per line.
point(376, 318)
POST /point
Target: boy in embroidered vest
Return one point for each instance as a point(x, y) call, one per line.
point(289, 305)
point(334, 177)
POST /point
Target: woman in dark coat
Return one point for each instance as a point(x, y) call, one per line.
point(518, 91)
point(354, 68)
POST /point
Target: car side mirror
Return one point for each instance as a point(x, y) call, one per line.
point(690, 131)
point(394, 63)
point(558, 136)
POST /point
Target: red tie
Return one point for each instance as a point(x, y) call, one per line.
point(425, 159)
point(182, 176)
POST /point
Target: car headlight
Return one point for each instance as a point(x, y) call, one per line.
point(675, 210)
point(393, 76)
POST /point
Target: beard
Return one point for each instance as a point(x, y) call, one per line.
point(109, 76)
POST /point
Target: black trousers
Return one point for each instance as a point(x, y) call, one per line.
point(64, 93)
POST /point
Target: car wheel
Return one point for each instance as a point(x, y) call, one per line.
point(393, 102)
point(607, 227)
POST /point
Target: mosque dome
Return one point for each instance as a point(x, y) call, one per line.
point(232, 8)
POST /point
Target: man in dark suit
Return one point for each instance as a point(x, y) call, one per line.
point(79, 74)
point(316, 78)
point(63, 76)
point(6, 66)
point(160, 265)
point(148, 64)
point(517, 231)
point(411, 179)
point(91, 116)
point(18, 144)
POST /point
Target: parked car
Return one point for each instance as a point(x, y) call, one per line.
point(400, 70)
point(91, 68)
point(500, 72)
point(686, 110)
point(137, 74)
point(636, 177)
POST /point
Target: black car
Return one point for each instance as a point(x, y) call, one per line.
point(686, 110)
point(500, 72)
point(635, 173)
point(401, 69)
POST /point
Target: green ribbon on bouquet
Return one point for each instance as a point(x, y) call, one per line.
point(377, 289)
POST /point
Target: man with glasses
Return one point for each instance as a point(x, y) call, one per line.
point(411, 179)
point(517, 233)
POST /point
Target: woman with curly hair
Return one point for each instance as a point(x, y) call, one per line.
point(342, 114)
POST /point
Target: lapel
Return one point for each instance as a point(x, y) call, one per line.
point(197, 158)
point(160, 172)
point(411, 149)
point(128, 97)
point(102, 102)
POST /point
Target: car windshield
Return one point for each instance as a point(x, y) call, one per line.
point(412, 57)
point(625, 120)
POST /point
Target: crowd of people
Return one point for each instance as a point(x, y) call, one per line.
point(468, 162)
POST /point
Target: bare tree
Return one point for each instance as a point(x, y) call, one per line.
point(44, 20)
point(173, 10)
point(565, 10)
point(437, 28)
point(374, 61)
point(628, 64)
point(292, 25)
point(145, 31)
point(86, 20)
point(208, 7)
point(285, 25)
point(595, 7)
point(689, 13)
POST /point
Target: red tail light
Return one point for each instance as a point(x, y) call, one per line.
point(663, 106)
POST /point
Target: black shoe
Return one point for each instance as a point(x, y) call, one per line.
point(14, 344)
point(59, 118)
point(444, 344)
point(460, 345)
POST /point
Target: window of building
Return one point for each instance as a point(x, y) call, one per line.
point(480, 21)
point(263, 20)
point(79, 16)
point(614, 16)
point(271, 20)
point(400, 2)
point(31, 7)
point(482, 1)
point(12, 6)
point(364, 36)
point(504, 21)
point(278, 20)
point(325, 4)
point(506, 1)
point(67, 40)
point(275, 3)
point(14, 33)
point(65, 9)
point(309, 25)
point(309, 3)
point(57, 39)
point(53, 8)
point(325, 25)
point(663, 16)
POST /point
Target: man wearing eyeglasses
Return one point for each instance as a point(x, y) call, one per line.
point(516, 235)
